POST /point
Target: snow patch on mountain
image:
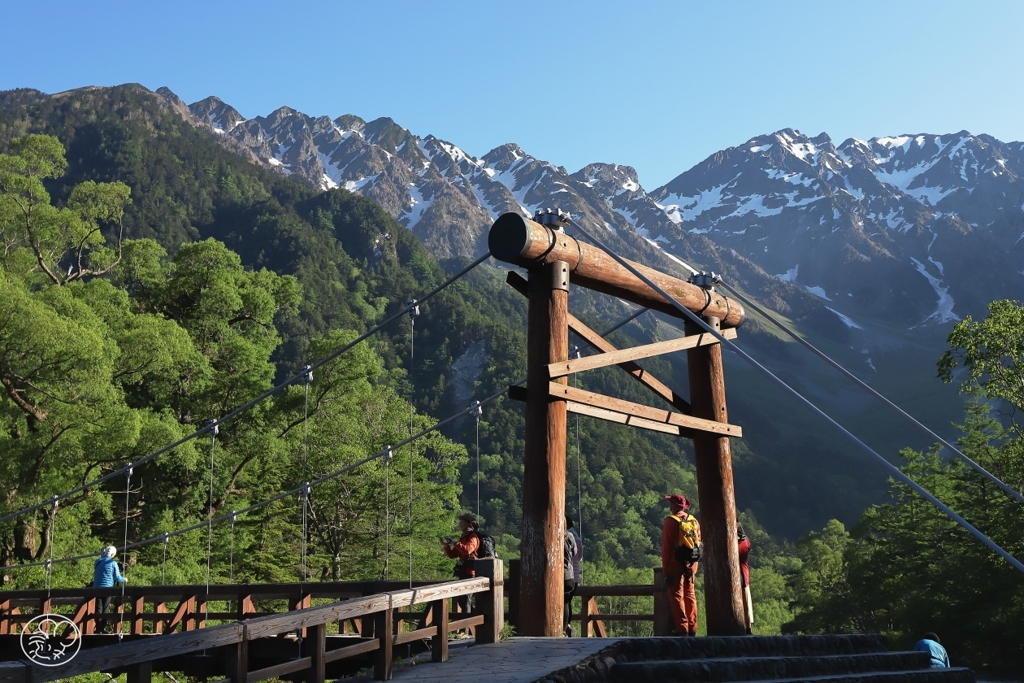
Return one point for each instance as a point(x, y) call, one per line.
point(944, 311)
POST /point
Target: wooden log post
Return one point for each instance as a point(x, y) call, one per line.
point(439, 643)
point(662, 615)
point(140, 673)
point(492, 603)
point(723, 597)
point(315, 644)
point(236, 660)
point(384, 630)
point(541, 583)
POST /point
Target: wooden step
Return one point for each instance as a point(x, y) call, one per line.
point(729, 669)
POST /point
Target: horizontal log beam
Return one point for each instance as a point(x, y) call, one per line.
point(520, 241)
point(590, 398)
point(621, 418)
point(603, 360)
point(278, 670)
point(519, 283)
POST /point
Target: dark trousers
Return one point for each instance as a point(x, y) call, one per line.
point(102, 605)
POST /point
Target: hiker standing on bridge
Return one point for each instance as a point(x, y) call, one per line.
point(572, 554)
point(465, 551)
point(681, 549)
point(748, 603)
point(105, 573)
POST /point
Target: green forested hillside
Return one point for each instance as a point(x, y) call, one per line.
point(352, 266)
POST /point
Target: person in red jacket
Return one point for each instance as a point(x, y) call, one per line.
point(464, 550)
point(679, 577)
point(748, 604)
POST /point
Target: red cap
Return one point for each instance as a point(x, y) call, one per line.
point(678, 499)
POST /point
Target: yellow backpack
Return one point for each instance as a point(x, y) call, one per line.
point(690, 548)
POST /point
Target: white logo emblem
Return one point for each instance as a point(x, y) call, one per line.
point(51, 640)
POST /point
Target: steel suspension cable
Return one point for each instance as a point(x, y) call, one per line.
point(414, 310)
point(127, 496)
point(1009, 490)
point(255, 401)
point(51, 537)
point(388, 457)
point(895, 471)
point(214, 431)
point(306, 380)
point(478, 412)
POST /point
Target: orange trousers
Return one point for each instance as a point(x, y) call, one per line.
point(682, 602)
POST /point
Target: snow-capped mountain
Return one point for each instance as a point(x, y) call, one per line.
point(912, 230)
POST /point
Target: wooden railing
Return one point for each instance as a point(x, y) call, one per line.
point(591, 621)
point(231, 650)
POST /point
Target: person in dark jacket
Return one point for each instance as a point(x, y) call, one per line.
point(572, 553)
point(105, 573)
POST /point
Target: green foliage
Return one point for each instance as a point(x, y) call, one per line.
point(906, 568)
point(98, 371)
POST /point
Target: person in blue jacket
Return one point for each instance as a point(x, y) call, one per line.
point(105, 573)
point(930, 644)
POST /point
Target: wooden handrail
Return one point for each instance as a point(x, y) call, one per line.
point(232, 640)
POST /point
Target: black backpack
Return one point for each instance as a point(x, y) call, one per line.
point(486, 548)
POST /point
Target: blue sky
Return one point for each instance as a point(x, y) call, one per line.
point(655, 85)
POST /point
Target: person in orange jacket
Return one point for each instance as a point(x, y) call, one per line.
point(679, 576)
point(464, 551)
point(744, 550)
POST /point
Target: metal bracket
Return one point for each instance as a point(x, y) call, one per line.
point(550, 276)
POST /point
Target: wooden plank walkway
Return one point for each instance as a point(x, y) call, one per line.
point(516, 660)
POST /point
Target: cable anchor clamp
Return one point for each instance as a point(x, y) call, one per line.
point(129, 470)
point(552, 218)
point(167, 538)
point(388, 455)
point(414, 308)
point(477, 409)
point(55, 502)
point(214, 427)
point(307, 374)
point(705, 280)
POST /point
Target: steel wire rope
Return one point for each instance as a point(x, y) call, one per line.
point(389, 455)
point(414, 310)
point(307, 379)
point(127, 496)
point(895, 471)
point(165, 536)
point(51, 533)
point(579, 463)
point(868, 388)
point(478, 412)
point(252, 403)
point(214, 431)
point(163, 568)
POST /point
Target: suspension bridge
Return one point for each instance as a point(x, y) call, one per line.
point(313, 631)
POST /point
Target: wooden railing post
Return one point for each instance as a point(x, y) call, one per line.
point(5, 623)
point(316, 644)
point(585, 630)
point(236, 659)
point(383, 628)
point(141, 672)
point(492, 603)
point(138, 607)
point(439, 643)
point(663, 625)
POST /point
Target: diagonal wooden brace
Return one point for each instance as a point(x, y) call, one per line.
point(624, 355)
point(518, 283)
point(657, 415)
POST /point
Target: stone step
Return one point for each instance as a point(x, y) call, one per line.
point(729, 669)
point(955, 675)
point(647, 649)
